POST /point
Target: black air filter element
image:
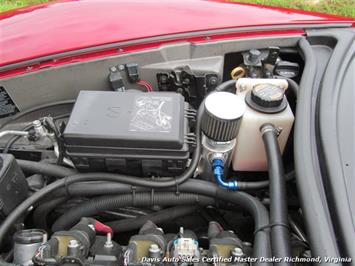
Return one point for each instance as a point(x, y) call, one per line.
point(223, 111)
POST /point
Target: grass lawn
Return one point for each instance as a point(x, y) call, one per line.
point(11, 4)
point(338, 7)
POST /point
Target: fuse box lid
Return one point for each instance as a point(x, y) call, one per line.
point(133, 120)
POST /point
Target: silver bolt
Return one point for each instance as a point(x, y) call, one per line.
point(154, 251)
point(108, 243)
point(154, 247)
point(37, 123)
point(73, 248)
point(73, 243)
point(45, 238)
point(237, 252)
point(181, 230)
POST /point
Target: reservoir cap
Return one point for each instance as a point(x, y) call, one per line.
point(267, 98)
point(267, 95)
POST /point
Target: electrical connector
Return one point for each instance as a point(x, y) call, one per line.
point(132, 72)
point(116, 79)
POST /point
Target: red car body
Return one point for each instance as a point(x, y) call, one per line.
point(75, 30)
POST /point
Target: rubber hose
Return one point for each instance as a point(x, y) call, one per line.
point(262, 184)
point(159, 217)
point(280, 233)
point(256, 209)
point(246, 201)
point(108, 203)
point(99, 188)
point(45, 169)
point(292, 85)
point(228, 86)
point(22, 208)
point(41, 212)
point(251, 204)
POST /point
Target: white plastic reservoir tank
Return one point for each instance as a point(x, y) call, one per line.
point(266, 103)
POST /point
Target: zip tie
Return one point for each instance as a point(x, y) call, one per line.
point(133, 190)
point(152, 197)
point(177, 192)
point(270, 226)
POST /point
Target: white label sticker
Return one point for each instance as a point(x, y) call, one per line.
point(152, 114)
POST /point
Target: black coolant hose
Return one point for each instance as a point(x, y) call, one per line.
point(41, 212)
point(42, 168)
point(158, 217)
point(110, 203)
point(292, 85)
point(99, 187)
point(170, 182)
point(262, 184)
point(252, 205)
point(228, 86)
point(280, 233)
point(246, 201)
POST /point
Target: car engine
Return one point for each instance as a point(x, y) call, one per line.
point(170, 164)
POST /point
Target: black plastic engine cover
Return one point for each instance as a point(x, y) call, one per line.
point(129, 132)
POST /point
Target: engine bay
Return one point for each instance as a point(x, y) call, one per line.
point(135, 160)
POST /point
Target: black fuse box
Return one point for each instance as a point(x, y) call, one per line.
point(131, 132)
point(13, 185)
